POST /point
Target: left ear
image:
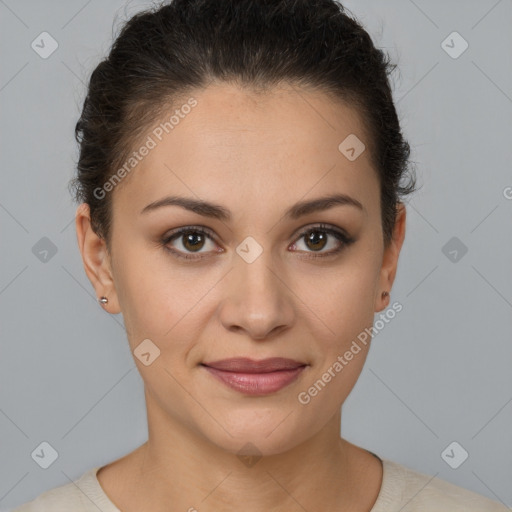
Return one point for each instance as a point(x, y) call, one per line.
point(390, 259)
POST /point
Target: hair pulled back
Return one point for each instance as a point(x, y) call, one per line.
point(165, 52)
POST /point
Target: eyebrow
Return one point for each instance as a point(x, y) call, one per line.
point(216, 211)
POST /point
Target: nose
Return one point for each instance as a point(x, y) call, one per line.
point(258, 299)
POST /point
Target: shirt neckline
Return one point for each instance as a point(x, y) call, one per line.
point(383, 497)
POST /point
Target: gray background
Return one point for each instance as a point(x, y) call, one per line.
point(439, 372)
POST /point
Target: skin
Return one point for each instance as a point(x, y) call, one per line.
point(255, 154)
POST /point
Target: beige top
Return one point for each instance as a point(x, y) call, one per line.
point(402, 489)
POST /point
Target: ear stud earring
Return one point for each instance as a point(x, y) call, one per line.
point(103, 300)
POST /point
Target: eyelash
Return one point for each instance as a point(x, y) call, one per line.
point(339, 235)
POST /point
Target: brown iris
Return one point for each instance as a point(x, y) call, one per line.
point(190, 240)
point(317, 239)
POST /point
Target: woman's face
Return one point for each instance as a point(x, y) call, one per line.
point(264, 280)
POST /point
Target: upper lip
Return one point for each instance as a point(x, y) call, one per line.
point(246, 365)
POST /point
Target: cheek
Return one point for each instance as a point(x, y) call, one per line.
point(165, 303)
point(341, 300)
point(151, 291)
point(147, 295)
point(345, 315)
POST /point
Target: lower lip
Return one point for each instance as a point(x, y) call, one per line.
point(256, 383)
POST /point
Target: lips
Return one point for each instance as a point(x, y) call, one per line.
point(252, 377)
point(246, 365)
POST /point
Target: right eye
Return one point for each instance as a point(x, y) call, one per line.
point(191, 240)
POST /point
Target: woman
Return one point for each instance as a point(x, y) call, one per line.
point(240, 184)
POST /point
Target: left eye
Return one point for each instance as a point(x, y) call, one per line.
point(317, 238)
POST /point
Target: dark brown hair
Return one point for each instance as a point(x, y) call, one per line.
point(182, 45)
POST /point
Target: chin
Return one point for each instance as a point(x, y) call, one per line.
point(261, 437)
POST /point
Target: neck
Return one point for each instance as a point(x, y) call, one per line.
point(180, 469)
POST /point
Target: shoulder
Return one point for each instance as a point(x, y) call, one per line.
point(81, 495)
point(418, 492)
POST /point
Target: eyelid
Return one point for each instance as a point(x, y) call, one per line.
point(320, 226)
point(182, 229)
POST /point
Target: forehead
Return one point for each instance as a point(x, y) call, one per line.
point(226, 143)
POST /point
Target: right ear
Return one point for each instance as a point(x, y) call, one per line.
point(96, 259)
